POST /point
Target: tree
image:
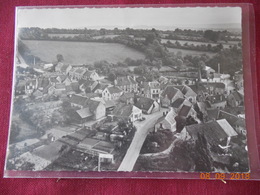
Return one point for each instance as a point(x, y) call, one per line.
point(111, 76)
point(201, 156)
point(60, 58)
point(211, 35)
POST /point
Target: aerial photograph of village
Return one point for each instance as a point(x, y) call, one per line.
point(128, 89)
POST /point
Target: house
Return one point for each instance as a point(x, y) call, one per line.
point(178, 103)
point(127, 98)
point(127, 112)
point(93, 110)
point(63, 68)
point(110, 106)
point(97, 108)
point(215, 132)
point(20, 87)
point(216, 101)
point(38, 94)
point(101, 87)
point(166, 122)
point(53, 80)
point(90, 75)
point(88, 86)
point(209, 71)
point(187, 111)
point(77, 73)
point(212, 114)
point(169, 95)
point(96, 147)
point(31, 86)
point(147, 105)
point(60, 89)
point(239, 80)
point(112, 93)
point(151, 90)
point(78, 101)
point(43, 82)
point(127, 84)
point(240, 126)
point(214, 88)
point(235, 99)
point(48, 89)
point(236, 122)
point(73, 88)
point(189, 94)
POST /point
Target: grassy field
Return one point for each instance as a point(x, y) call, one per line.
point(182, 42)
point(82, 52)
point(190, 52)
point(63, 35)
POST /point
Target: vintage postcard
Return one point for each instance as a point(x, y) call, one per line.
point(156, 89)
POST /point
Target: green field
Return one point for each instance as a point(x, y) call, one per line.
point(195, 43)
point(81, 52)
point(190, 52)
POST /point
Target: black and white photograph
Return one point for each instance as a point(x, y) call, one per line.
point(143, 89)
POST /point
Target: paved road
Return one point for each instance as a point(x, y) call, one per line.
point(138, 140)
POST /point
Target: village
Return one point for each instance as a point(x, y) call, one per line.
point(98, 121)
point(165, 112)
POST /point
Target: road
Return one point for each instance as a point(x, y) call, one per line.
point(134, 149)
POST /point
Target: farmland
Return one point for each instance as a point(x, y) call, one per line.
point(195, 43)
point(190, 52)
point(81, 52)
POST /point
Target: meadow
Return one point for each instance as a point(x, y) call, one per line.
point(195, 43)
point(190, 52)
point(81, 52)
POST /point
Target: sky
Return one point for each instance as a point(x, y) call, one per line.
point(160, 18)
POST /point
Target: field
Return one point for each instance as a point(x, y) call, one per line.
point(190, 52)
point(182, 42)
point(63, 35)
point(81, 52)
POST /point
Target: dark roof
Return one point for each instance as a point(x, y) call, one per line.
point(170, 91)
point(105, 147)
point(237, 96)
point(241, 122)
point(213, 113)
point(64, 67)
point(77, 136)
point(84, 113)
point(101, 86)
point(213, 131)
point(214, 85)
point(216, 98)
point(186, 90)
point(77, 99)
point(121, 81)
point(43, 82)
point(177, 103)
point(93, 104)
point(114, 89)
point(184, 110)
point(231, 118)
point(54, 80)
point(80, 71)
point(88, 73)
point(91, 95)
point(143, 103)
point(60, 86)
point(123, 110)
point(126, 96)
point(151, 85)
point(75, 86)
point(21, 84)
point(198, 88)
